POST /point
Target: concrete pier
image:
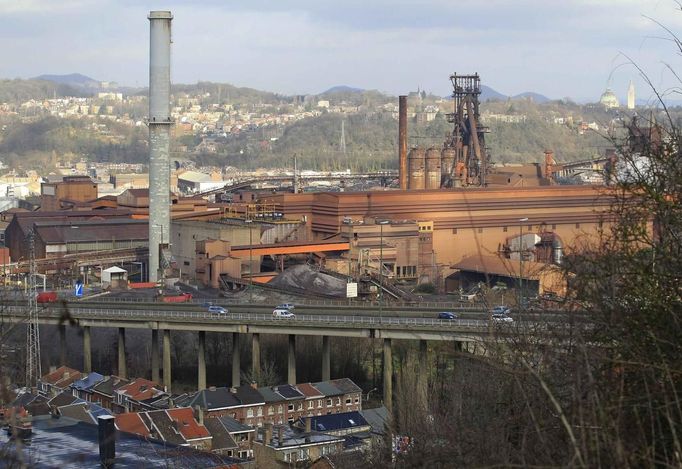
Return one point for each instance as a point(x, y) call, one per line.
point(201, 361)
point(167, 360)
point(156, 375)
point(236, 361)
point(388, 375)
point(291, 360)
point(87, 351)
point(326, 358)
point(122, 368)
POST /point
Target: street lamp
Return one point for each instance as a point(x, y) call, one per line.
point(381, 267)
point(521, 249)
point(370, 392)
point(249, 221)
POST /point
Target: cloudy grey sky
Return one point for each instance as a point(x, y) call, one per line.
point(554, 47)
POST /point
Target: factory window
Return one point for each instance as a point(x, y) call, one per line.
point(454, 231)
point(577, 226)
point(504, 229)
point(480, 230)
point(554, 227)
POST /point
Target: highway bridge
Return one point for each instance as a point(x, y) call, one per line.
point(387, 324)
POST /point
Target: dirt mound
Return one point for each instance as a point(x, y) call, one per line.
point(303, 278)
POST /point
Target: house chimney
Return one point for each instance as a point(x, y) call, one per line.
point(107, 440)
point(268, 434)
point(280, 435)
point(308, 424)
point(200, 414)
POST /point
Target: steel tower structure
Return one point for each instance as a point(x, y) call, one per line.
point(33, 369)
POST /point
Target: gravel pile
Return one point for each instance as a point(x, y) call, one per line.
point(307, 279)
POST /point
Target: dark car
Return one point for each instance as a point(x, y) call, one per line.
point(447, 315)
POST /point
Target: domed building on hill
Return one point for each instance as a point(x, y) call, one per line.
point(609, 100)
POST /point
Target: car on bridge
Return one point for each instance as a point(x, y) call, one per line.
point(283, 313)
point(217, 309)
point(289, 306)
point(447, 315)
point(501, 318)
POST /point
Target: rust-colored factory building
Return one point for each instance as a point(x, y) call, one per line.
point(472, 221)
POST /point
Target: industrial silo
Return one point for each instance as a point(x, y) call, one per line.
point(432, 163)
point(447, 161)
point(416, 163)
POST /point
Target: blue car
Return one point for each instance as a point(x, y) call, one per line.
point(447, 315)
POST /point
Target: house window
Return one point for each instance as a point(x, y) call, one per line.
point(249, 413)
point(302, 454)
point(554, 227)
point(338, 401)
point(577, 226)
point(260, 411)
point(186, 262)
point(357, 400)
point(454, 231)
point(271, 410)
point(290, 407)
point(504, 229)
point(349, 401)
point(530, 227)
point(279, 409)
point(329, 403)
point(243, 455)
point(310, 404)
point(300, 406)
point(319, 403)
point(480, 230)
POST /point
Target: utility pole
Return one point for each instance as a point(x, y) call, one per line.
point(521, 248)
point(33, 369)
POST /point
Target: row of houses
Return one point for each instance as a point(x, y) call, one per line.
point(274, 425)
point(247, 404)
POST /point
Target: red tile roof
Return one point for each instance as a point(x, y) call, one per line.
point(140, 389)
point(188, 426)
point(309, 391)
point(61, 377)
point(132, 423)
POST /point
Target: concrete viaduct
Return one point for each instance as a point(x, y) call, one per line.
point(323, 321)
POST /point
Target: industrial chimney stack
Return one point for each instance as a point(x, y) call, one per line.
point(402, 140)
point(159, 137)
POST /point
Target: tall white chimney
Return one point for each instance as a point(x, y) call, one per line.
point(159, 137)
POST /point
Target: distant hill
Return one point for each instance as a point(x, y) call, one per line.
point(342, 89)
point(74, 79)
point(17, 90)
point(535, 97)
point(488, 94)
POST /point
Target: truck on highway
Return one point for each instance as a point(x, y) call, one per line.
point(47, 297)
point(181, 298)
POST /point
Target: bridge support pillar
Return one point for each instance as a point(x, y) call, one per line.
point(167, 360)
point(255, 357)
point(326, 358)
point(201, 378)
point(155, 356)
point(422, 377)
point(388, 375)
point(62, 344)
point(122, 368)
point(87, 350)
point(291, 360)
point(236, 360)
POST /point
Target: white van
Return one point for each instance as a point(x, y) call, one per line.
point(283, 313)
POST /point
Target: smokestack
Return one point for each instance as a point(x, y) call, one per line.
point(107, 440)
point(159, 136)
point(402, 140)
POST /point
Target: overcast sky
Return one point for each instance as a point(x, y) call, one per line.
point(554, 47)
